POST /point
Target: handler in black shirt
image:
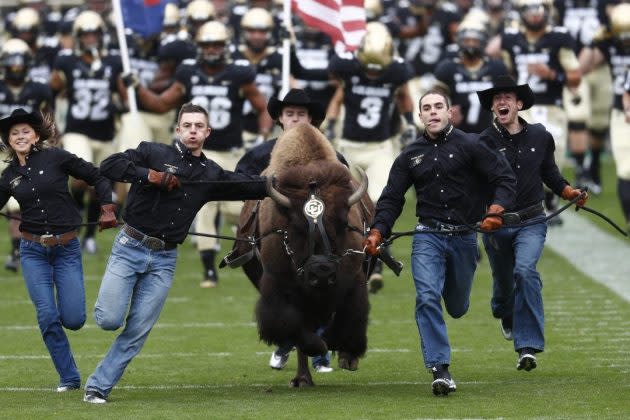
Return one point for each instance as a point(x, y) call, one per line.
point(160, 210)
point(37, 177)
point(514, 251)
point(450, 170)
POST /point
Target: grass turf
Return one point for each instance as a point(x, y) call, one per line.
point(204, 359)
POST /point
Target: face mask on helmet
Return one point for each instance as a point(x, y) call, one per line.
point(211, 41)
point(15, 60)
point(534, 15)
point(256, 27)
point(25, 25)
point(198, 13)
point(88, 31)
point(471, 42)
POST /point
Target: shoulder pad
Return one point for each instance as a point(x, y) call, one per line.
point(449, 7)
point(399, 60)
point(560, 29)
point(65, 51)
point(190, 61)
point(346, 55)
point(511, 31)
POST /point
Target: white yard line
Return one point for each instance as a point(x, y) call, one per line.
point(602, 256)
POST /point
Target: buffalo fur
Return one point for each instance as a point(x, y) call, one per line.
point(290, 311)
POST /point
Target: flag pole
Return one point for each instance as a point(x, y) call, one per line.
point(124, 53)
point(286, 49)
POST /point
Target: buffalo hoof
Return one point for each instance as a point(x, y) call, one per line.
point(348, 363)
point(301, 382)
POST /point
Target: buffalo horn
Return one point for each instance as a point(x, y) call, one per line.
point(358, 193)
point(276, 195)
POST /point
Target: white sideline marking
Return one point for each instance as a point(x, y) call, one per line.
point(607, 262)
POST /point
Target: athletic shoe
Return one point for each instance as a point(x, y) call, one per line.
point(12, 263)
point(278, 361)
point(323, 369)
point(442, 383)
point(66, 388)
point(94, 397)
point(89, 245)
point(506, 328)
point(526, 359)
point(210, 280)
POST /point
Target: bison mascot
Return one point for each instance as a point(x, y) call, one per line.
point(309, 264)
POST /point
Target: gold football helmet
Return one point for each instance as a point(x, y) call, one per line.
point(15, 60)
point(26, 19)
point(620, 21)
point(256, 19)
point(373, 9)
point(171, 17)
point(213, 32)
point(88, 21)
point(472, 37)
point(376, 51)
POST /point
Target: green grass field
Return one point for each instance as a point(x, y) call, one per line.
point(204, 358)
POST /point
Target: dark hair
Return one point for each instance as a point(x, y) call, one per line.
point(47, 132)
point(190, 108)
point(435, 92)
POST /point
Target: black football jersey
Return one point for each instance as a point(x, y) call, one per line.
point(545, 50)
point(44, 59)
point(33, 96)
point(618, 58)
point(220, 94)
point(268, 81)
point(464, 84)
point(369, 103)
point(581, 18)
point(423, 53)
point(314, 54)
point(90, 108)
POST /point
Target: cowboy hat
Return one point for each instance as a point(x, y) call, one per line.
point(19, 115)
point(297, 97)
point(506, 84)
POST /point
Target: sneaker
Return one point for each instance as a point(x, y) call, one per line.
point(278, 361)
point(442, 383)
point(89, 245)
point(12, 263)
point(323, 369)
point(66, 388)
point(94, 397)
point(506, 328)
point(211, 280)
point(526, 359)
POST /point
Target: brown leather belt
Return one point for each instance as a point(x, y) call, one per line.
point(150, 242)
point(50, 240)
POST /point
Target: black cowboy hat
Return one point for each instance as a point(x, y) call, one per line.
point(506, 84)
point(19, 115)
point(297, 97)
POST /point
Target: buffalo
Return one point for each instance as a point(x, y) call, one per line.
point(310, 264)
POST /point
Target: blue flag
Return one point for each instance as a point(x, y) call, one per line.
point(144, 17)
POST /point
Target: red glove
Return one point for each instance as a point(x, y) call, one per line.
point(569, 193)
point(372, 242)
point(164, 180)
point(108, 217)
point(490, 223)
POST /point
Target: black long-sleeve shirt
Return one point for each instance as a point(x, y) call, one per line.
point(257, 159)
point(41, 189)
point(451, 175)
point(530, 154)
point(168, 215)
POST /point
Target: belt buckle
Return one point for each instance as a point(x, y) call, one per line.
point(43, 238)
point(155, 244)
point(446, 228)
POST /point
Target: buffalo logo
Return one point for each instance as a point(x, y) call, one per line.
point(416, 160)
point(171, 168)
point(313, 208)
point(15, 182)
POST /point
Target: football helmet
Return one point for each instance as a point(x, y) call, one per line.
point(257, 19)
point(213, 32)
point(620, 22)
point(198, 12)
point(376, 51)
point(15, 60)
point(472, 37)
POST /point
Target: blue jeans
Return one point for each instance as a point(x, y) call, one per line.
point(139, 279)
point(443, 267)
point(56, 269)
point(513, 253)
